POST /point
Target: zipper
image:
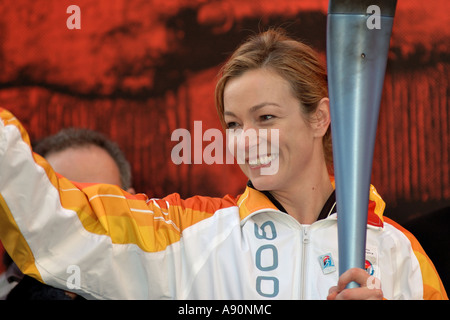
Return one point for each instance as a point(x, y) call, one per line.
point(305, 240)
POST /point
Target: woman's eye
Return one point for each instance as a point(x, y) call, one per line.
point(266, 117)
point(231, 125)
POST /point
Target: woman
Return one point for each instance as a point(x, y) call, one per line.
point(276, 240)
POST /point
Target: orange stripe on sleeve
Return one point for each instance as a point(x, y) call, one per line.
point(151, 224)
point(15, 244)
point(432, 284)
point(9, 119)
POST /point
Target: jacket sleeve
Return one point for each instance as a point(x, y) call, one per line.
point(92, 239)
point(433, 289)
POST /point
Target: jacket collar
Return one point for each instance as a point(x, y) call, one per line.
point(253, 200)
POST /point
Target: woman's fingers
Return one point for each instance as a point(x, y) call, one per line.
point(370, 288)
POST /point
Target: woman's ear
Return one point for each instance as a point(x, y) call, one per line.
point(321, 119)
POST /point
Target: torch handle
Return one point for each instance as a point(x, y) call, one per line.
point(358, 36)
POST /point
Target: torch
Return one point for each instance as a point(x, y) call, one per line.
point(358, 35)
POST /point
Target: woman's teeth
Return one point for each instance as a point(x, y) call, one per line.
point(263, 160)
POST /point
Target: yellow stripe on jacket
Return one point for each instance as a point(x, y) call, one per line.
point(433, 289)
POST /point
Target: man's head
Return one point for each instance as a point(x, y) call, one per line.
point(84, 155)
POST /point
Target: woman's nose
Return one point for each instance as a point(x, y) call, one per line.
point(247, 138)
point(243, 142)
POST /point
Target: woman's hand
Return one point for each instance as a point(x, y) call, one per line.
point(370, 287)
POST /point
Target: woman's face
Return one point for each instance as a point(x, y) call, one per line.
point(282, 155)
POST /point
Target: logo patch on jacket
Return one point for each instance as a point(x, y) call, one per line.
point(327, 263)
point(371, 260)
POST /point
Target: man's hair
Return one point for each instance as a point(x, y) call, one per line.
point(79, 137)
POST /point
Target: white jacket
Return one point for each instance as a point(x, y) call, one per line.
point(101, 242)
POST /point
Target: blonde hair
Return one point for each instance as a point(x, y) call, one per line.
point(296, 62)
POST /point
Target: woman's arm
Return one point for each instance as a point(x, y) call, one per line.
point(92, 239)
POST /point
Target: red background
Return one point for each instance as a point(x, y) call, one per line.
point(138, 70)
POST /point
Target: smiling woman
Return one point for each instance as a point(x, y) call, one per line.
point(294, 62)
point(302, 165)
point(273, 82)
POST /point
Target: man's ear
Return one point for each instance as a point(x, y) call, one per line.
point(321, 118)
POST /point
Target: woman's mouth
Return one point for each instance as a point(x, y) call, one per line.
point(262, 161)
